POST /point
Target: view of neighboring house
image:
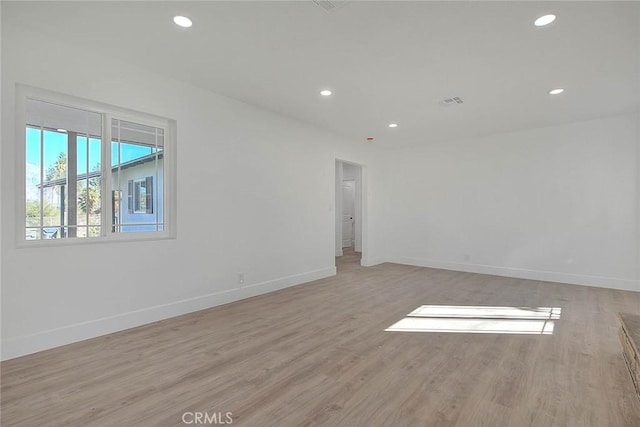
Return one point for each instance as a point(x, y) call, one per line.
point(137, 200)
point(140, 204)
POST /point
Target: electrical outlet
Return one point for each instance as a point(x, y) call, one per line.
point(241, 278)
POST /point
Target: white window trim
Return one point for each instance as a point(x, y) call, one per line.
point(24, 92)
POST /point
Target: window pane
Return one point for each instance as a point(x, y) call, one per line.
point(89, 197)
point(32, 233)
point(94, 232)
point(138, 228)
point(63, 156)
point(81, 231)
point(84, 202)
point(115, 152)
point(137, 176)
point(54, 187)
point(32, 179)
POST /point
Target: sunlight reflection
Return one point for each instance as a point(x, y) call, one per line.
point(478, 326)
point(479, 320)
point(475, 311)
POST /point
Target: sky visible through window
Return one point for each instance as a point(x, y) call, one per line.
point(56, 143)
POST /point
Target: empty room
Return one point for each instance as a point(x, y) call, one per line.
point(320, 213)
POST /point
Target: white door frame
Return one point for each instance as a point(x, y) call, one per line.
point(361, 217)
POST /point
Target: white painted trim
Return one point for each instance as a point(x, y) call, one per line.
point(20, 346)
point(338, 207)
point(364, 211)
point(286, 282)
point(370, 262)
point(546, 276)
point(357, 238)
point(339, 252)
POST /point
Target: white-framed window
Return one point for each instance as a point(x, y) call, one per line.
point(91, 171)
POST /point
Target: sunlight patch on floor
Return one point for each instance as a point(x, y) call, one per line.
point(479, 320)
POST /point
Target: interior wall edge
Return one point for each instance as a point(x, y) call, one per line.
point(638, 187)
point(520, 273)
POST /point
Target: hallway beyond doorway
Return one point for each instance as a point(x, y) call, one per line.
point(349, 261)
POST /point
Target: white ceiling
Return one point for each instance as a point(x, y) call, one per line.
point(385, 61)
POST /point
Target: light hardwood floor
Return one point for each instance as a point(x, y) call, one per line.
point(318, 355)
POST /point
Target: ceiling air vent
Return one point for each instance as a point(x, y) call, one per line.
point(329, 5)
point(451, 101)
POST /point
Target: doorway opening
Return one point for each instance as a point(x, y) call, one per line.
point(350, 215)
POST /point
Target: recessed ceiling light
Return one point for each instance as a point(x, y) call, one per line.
point(544, 20)
point(325, 92)
point(182, 21)
point(556, 91)
point(62, 130)
point(393, 125)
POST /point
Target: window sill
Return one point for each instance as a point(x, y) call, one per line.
point(139, 237)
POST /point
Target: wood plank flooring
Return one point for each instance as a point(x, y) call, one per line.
point(318, 355)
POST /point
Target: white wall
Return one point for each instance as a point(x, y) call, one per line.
point(274, 221)
point(557, 203)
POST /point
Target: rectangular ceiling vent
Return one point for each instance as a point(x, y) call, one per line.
point(329, 5)
point(451, 101)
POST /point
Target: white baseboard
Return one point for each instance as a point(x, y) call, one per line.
point(20, 346)
point(370, 262)
point(339, 252)
point(546, 276)
point(286, 282)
